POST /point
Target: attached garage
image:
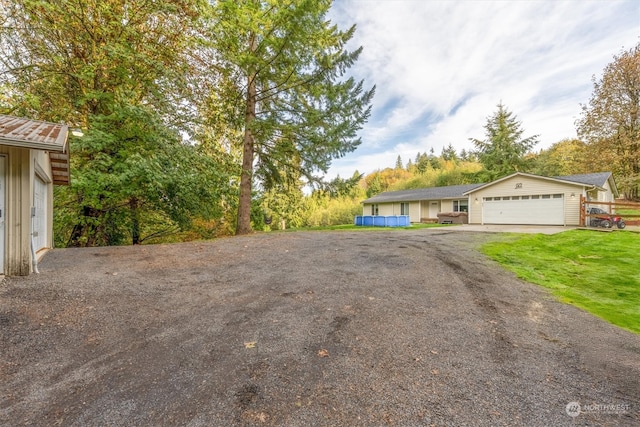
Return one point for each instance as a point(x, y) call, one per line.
point(534, 209)
point(528, 199)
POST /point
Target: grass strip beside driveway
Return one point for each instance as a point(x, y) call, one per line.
point(598, 272)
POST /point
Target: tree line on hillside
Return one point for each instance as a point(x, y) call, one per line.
point(205, 118)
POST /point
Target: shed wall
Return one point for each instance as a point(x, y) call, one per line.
point(41, 164)
point(17, 243)
point(22, 165)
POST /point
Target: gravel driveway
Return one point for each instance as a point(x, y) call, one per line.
point(398, 327)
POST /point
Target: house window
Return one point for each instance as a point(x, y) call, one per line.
point(461, 205)
point(404, 208)
point(374, 209)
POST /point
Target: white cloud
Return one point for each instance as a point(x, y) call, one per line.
point(427, 57)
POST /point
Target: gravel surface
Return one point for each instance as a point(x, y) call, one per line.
point(407, 328)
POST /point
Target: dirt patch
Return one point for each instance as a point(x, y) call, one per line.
point(378, 328)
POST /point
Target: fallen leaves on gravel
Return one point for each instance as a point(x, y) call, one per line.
point(323, 352)
point(250, 344)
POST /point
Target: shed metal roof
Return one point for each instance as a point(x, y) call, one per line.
point(39, 135)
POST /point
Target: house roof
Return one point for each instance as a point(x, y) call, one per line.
point(592, 180)
point(39, 135)
point(598, 179)
point(457, 191)
point(432, 193)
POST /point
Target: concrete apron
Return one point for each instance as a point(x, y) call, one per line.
point(532, 229)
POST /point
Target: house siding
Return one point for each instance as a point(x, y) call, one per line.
point(446, 205)
point(600, 196)
point(529, 186)
point(388, 209)
point(415, 210)
point(606, 196)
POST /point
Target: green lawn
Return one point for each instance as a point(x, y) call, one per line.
point(596, 271)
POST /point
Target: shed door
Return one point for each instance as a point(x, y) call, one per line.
point(3, 211)
point(545, 209)
point(40, 214)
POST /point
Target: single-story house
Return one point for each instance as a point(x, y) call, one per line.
point(519, 198)
point(34, 156)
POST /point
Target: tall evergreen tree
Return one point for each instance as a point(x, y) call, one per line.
point(338, 187)
point(409, 167)
point(503, 151)
point(286, 65)
point(422, 163)
point(399, 164)
point(449, 153)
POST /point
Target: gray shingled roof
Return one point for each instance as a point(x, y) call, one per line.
point(457, 191)
point(599, 179)
point(433, 193)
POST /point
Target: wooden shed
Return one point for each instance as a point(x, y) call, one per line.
point(34, 156)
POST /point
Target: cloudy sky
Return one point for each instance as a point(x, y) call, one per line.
point(441, 68)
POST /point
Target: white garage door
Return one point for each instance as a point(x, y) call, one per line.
point(39, 224)
point(541, 209)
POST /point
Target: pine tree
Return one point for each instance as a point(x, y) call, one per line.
point(449, 153)
point(399, 163)
point(296, 108)
point(504, 150)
